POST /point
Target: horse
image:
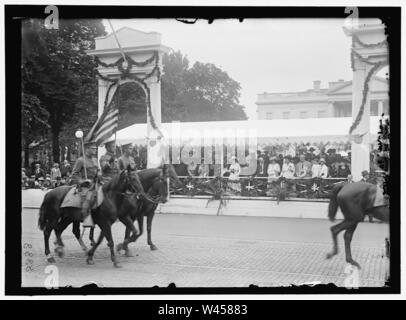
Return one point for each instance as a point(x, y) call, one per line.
point(355, 201)
point(155, 182)
point(53, 217)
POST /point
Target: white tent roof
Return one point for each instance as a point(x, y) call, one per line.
point(293, 130)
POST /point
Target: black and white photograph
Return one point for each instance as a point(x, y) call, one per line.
point(240, 152)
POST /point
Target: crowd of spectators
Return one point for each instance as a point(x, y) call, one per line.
point(273, 161)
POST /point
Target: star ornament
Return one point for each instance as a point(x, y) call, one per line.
point(315, 187)
point(249, 187)
point(190, 186)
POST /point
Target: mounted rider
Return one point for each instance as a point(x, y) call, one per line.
point(109, 162)
point(126, 158)
point(86, 174)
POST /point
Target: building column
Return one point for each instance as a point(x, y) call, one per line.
point(153, 142)
point(330, 110)
point(380, 107)
point(360, 149)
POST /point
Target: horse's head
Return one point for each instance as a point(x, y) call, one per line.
point(133, 180)
point(169, 172)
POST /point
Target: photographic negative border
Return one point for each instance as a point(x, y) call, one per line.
point(13, 14)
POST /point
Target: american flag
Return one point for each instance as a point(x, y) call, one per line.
point(104, 127)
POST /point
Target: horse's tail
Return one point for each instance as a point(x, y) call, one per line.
point(333, 205)
point(42, 221)
point(43, 211)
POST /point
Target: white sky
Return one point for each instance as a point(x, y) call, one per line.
point(273, 55)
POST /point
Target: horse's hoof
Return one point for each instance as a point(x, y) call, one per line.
point(330, 255)
point(90, 261)
point(116, 264)
point(60, 251)
point(119, 247)
point(51, 260)
point(128, 253)
point(355, 264)
point(153, 247)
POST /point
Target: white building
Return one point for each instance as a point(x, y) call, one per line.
point(334, 101)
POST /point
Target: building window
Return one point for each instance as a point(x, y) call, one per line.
point(321, 114)
point(303, 114)
point(269, 116)
point(286, 115)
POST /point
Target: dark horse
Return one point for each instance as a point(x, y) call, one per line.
point(355, 201)
point(155, 183)
point(53, 217)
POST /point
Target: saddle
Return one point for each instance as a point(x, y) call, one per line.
point(76, 196)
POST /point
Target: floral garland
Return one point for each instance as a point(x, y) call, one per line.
point(125, 74)
point(376, 66)
point(368, 45)
point(364, 96)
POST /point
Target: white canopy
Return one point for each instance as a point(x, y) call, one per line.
point(267, 131)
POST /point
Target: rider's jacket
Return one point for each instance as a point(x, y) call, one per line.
point(78, 172)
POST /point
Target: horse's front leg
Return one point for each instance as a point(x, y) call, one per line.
point(91, 236)
point(76, 232)
point(349, 232)
point(130, 228)
point(335, 230)
point(150, 216)
point(60, 227)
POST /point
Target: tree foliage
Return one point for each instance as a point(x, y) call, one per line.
point(60, 76)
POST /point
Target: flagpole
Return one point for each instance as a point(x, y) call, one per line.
point(118, 43)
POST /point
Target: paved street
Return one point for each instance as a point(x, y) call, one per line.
point(214, 251)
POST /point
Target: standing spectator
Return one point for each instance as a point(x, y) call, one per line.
point(55, 173)
point(315, 168)
point(323, 168)
point(303, 167)
point(349, 179)
point(38, 172)
point(66, 169)
point(126, 158)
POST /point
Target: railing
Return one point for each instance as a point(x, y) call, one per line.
point(279, 189)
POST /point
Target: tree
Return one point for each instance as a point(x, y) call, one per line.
point(201, 93)
point(62, 74)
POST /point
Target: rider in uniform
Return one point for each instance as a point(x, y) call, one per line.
point(108, 162)
point(92, 171)
point(127, 159)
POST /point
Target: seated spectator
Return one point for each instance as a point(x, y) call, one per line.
point(191, 168)
point(66, 169)
point(303, 167)
point(38, 172)
point(204, 170)
point(47, 183)
point(323, 169)
point(273, 169)
point(58, 182)
point(315, 168)
point(288, 168)
point(365, 176)
point(343, 171)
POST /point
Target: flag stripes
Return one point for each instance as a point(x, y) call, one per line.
point(106, 126)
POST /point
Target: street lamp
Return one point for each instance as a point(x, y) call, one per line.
point(79, 135)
